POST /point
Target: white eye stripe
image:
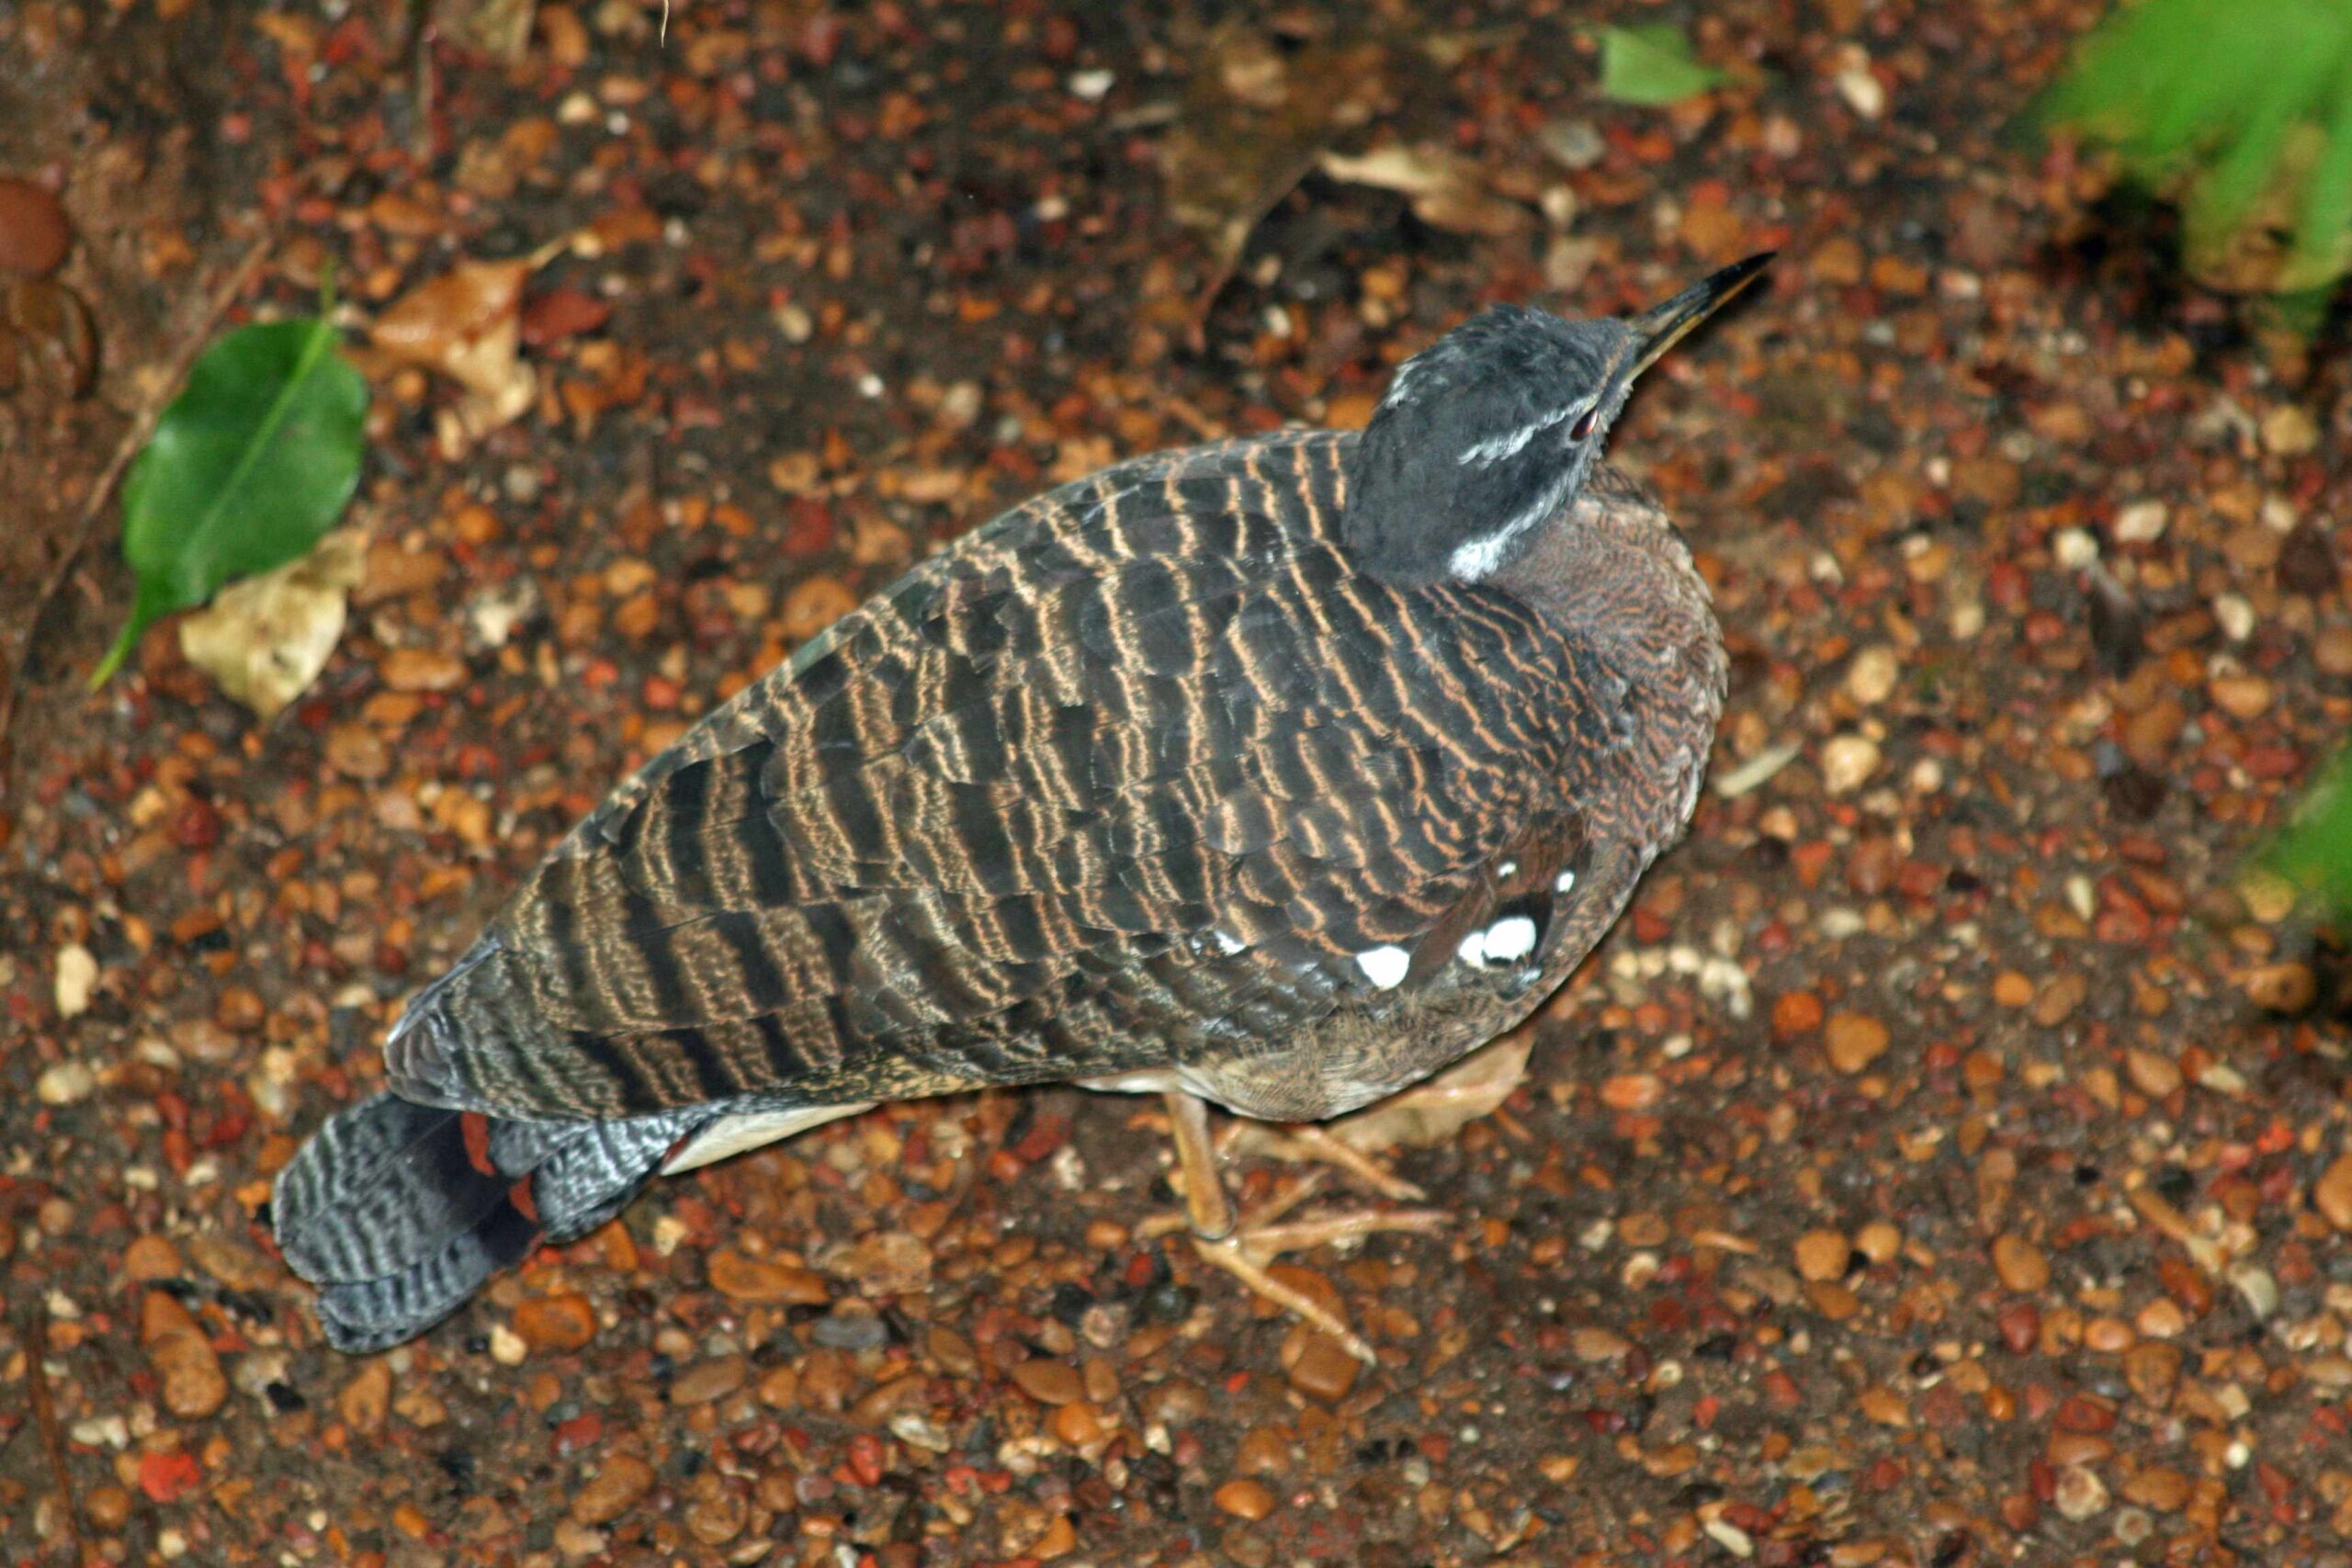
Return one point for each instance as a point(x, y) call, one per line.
point(1494, 449)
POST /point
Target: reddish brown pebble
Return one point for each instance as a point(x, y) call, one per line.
point(614, 1481)
point(34, 235)
point(1798, 1012)
point(1076, 1426)
point(2021, 1327)
point(760, 1282)
point(1048, 1381)
point(2152, 1075)
point(2332, 1193)
point(422, 670)
point(108, 1507)
point(780, 1387)
point(2020, 1264)
point(2286, 988)
point(182, 1357)
point(1854, 1041)
point(706, 1380)
point(715, 1521)
point(357, 752)
point(1631, 1091)
point(149, 1258)
point(1263, 1450)
point(1324, 1370)
point(1822, 1254)
point(1245, 1499)
point(366, 1397)
point(556, 1323)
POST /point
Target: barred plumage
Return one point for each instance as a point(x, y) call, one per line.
point(1152, 776)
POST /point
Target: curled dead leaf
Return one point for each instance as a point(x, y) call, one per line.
point(1446, 189)
point(467, 325)
point(265, 639)
point(1426, 1114)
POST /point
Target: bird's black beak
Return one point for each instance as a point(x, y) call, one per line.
point(1660, 327)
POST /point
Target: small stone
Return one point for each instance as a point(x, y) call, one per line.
point(1048, 1381)
point(715, 1521)
point(2332, 1193)
point(149, 1258)
point(2153, 1372)
point(2081, 1493)
point(613, 1484)
point(1245, 1499)
point(1325, 1370)
point(764, 1282)
point(1854, 1041)
point(1879, 1241)
point(1870, 679)
point(2141, 523)
point(1822, 1255)
point(77, 976)
point(108, 1507)
point(706, 1380)
point(2020, 1264)
point(357, 752)
point(506, 1346)
point(2289, 430)
point(2152, 1075)
point(422, 670)
point(1076, 1426)
point(67, 1083)
point(1263, 1451)
point(1847, 763)
point(2242, 697)
point(1596, 1344)
point(2332, 649)
point(185, 1363)
point(366, 1396)
point(2288, 989)
point(2165, 1490)
point(556, 1323)
point(34, 234)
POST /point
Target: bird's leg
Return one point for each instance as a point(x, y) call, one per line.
point(1243, 1249)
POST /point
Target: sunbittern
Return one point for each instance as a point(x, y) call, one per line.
point(1280, 772)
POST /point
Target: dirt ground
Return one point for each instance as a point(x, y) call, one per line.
point(1944, 1164)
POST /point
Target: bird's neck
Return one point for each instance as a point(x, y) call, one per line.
point(1611, 571)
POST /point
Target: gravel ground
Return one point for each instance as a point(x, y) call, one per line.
point(1943, 1165)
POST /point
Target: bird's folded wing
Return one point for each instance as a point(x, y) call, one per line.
point(1139, 767)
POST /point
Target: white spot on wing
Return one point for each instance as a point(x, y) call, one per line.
point(1510, 938)
point(1566, 883)
point(1385, 966)
point(1507, 868)
point(1226, 942)
point(1473, 949)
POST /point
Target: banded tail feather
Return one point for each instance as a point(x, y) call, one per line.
point(399, 1212)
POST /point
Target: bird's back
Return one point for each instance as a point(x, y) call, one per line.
point(1144, 772)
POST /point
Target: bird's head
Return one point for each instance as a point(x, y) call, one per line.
point(1491, 430)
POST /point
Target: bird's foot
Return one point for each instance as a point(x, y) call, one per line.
point(1244, 1249)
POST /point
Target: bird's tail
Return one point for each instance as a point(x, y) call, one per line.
point(398, 1211)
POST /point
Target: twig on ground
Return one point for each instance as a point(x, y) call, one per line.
point(53, 1436)
point(141, 426)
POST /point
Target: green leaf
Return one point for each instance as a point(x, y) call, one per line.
point(1651, 64)
point(2315, 851)
point(252, 463)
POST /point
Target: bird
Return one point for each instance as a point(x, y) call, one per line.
point(1278, 773)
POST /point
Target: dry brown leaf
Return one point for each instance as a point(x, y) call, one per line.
point(265, 639)
point(1446, 189)
point(468, 324)
point(1253, 118)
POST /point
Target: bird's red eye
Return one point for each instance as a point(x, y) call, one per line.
point(1583, 426)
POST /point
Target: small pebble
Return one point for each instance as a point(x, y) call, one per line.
point(2020, 1264)
point(556, 1323)
point(1854, 1041)
point(34, 234)
point(1847, 763)
point(615, 1483)
point(2332, 1193)
point(1048, 1381)
point(182, 1354)
point(1245, 1499)
point(1822, 1254)
point(706, 1380)
point(1325, 1369)
point(760, 1282)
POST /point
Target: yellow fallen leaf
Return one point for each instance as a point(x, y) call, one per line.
point(265, 639)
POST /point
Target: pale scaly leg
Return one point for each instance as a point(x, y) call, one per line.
point(1244, 1249)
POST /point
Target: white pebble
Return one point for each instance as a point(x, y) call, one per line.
point(2141, 522)
point(77, 975)
point(1848, 761)
point(2235, 614)
point(65, 1084)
